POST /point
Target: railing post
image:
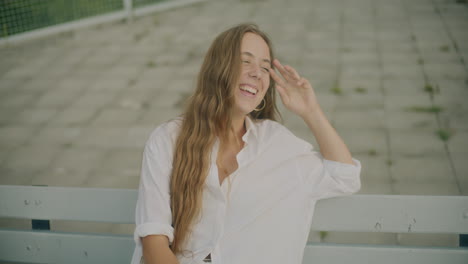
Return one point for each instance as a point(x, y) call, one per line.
point(128, 6)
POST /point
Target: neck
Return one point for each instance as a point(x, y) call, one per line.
point(237, 129)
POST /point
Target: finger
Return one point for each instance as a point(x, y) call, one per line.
point(277, 78)
point(305, 82)
point(282, 70)
point(281, 91)
point(292, 72)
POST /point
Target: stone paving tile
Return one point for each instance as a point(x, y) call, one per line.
point(404, 87)
point(374, 119)
point(375, 168)
point(56, 136)
point(411, 120)
point(15, 135)
point(92, 98)
point(74, 116)
point(430, 170)
point(157, 115)
point(18, 100)
point(109, 180)
point(363, 141)
point(421, 188)
point(17, 175)
point(356, 101)
point(458, 143)
point(34, 116)
point(57, 98)
point(378, 188)
point(415, 143)
point(71, 168)
point(398, 102)
point(32, 156)
point(110, 117)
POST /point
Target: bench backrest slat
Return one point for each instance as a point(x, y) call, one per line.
point(64, 203)
point(51, 247)
point(357, 213)
point(393, 213)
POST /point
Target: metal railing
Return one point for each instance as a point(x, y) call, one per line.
point(26, 19)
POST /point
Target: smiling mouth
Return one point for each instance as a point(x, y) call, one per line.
point(249, 89)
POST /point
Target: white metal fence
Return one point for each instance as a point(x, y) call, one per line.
point(27, 19)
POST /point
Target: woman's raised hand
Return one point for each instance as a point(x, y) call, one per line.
point(296, 92)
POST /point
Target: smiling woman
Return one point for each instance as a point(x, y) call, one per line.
point(187, 212)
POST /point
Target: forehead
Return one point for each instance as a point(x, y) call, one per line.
point(255, 45)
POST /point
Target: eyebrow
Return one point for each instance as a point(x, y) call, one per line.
point(251, 55)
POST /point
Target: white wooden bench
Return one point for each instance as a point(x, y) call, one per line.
point(357, 213)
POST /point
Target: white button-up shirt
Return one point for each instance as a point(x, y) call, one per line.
point(261, 213)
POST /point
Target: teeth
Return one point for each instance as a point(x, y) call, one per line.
point(248, 89)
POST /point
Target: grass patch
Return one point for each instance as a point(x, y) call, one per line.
point(444, 134)
point(323, 235)
point(425, 109)
point(428, 88)
point(361, 90)
point(337, 90)
point(131, 82)
point(444, 48)
point(150, 64)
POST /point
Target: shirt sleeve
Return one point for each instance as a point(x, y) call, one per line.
point(153, 213)
point(326, 178)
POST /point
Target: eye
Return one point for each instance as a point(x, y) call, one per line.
point(246, 62)
point(266, 69)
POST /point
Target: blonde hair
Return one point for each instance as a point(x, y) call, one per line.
point(206, 117)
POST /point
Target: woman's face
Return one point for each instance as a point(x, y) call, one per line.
point(254, 78)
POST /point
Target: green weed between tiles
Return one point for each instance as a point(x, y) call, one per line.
point(420, 61)
point(131, 82)
point(425, 109)
point(431, 89)
point(444, 134)
point(336, 90)
point(323, 235)
point(372, 152)
point(150, 64)
point(361, 90)
point(444, 48)
point(390, 162)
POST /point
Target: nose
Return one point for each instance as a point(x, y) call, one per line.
point(255, 72)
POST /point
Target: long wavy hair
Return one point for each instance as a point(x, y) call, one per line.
point(207, 116)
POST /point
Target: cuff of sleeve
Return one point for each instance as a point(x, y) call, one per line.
point(153, 229)
point(335, 165)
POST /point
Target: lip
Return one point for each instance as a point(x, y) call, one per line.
point(248, 84)
point(247, 94)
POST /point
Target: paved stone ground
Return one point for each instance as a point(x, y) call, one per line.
point(392, 76)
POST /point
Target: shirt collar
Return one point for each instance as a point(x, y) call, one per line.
point(250, 127)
